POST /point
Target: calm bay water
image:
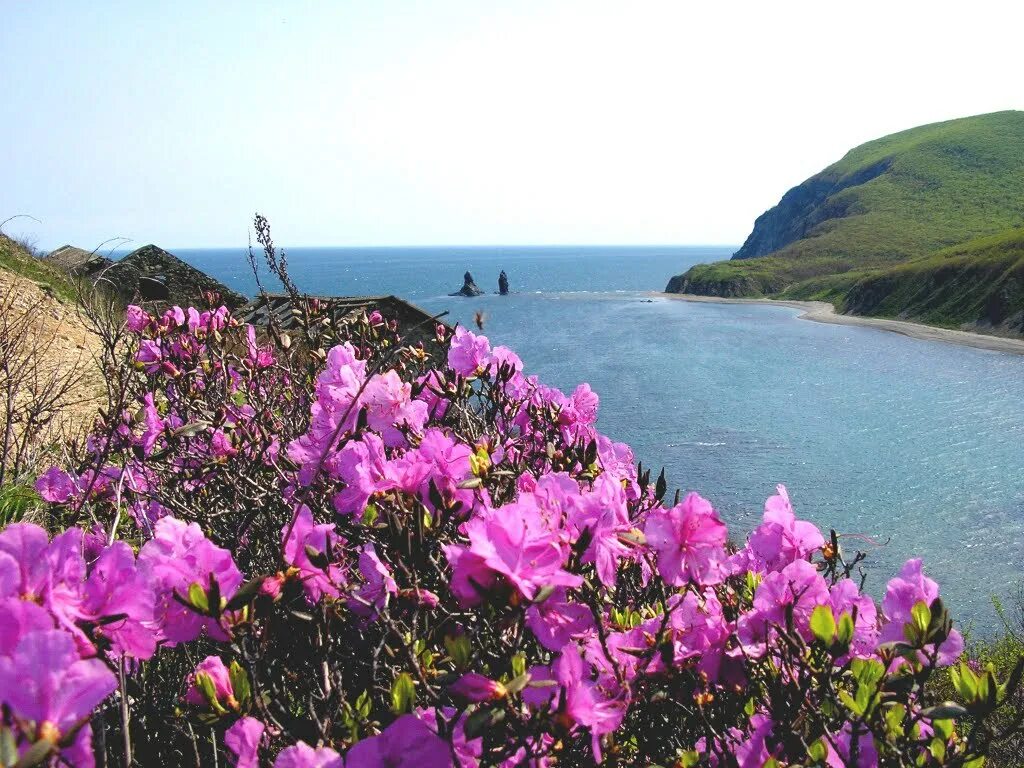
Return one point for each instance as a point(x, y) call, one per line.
point(916, 446)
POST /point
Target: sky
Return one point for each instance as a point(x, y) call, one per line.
point(476, 122)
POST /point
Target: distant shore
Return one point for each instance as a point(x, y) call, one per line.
point(824, 312)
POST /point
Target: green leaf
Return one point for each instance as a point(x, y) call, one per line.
point(481, 720)
point(943, 713)
point(206, 686)
point(943, 728)
point(8, 748)
point(245, 594)
point(364, 704)
point(518, 683)
point(403, 694)
point(823, 624)
point(851, 703)
point(688, 759)
point(818, 751)
point(35, 754)
point(844, 632)
point(518, 665)
point(239, 683)
point(370, 514)
point(921, 616)
point(459, 649)
point(197, 598)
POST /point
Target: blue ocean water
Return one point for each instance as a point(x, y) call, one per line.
point(916, 447)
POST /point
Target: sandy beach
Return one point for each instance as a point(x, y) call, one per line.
point(823, 312)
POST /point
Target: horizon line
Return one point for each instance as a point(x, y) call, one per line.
point(438, 247)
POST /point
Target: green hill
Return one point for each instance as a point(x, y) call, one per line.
point(937, 204)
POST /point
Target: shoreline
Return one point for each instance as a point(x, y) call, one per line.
point(824, 312)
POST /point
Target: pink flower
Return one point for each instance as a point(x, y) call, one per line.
point(600, 515)
point(55, 486)
point(796, 590)
point(378, 584)
point(115, 586)
point(136, 318)
point(902, 593)
point(178, 556)
point(302, 755)
point(389, 406)
point(363, 467)
point(469, 353)
point(474, 688)
point(26, 544)
point(689, 540)
point(45, 681)
point(586, 702)
point(258, 357)
point(19, 617)
point(781, 538)
point(406, 743)
point(846, 598)
point(301, 536)
point(243, 741)
point(213, 669)
point(556, 621)
point(472, 579)
point(513, 542)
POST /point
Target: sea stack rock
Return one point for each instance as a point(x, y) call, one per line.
point(503, 283)
point(469, 288)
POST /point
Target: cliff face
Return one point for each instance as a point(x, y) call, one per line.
point(863, 233)
point(803, 208)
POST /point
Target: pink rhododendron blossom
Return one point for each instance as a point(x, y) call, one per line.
point(588, 703)
point(469, 353)
point(513, 542)
point(793, 592)
point(302, 755)
point(845, 597)
point(474, 688)
point(363, 467)
point(303, 535)
point(212, 668)
point(178, 556)
point(556, 621)
point(601, 515)
point(243, 742)
point(390, 407)
point(781, 538)
point(136, 318)
point(689, 540)
point(406, 743)
point(902, 593)
point(378, 584)
point(45, 681)
point(55, 486)
point(753, 752)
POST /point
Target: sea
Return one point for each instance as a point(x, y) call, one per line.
point(907, 448)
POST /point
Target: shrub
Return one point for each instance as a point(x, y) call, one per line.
point(358, 551)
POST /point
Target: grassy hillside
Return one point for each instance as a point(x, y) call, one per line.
point(15, 258)
point(924, 202)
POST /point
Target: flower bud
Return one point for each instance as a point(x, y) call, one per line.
point(475, 688)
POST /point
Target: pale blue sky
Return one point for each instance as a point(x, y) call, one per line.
point(464, 122)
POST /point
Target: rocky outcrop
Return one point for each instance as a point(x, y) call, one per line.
point(160, 279)
point(503, 283)
point(803, 208)
point(469, 288)
point(729, 289)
